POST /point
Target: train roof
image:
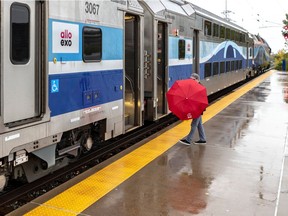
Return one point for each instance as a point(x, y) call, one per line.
point(175, 6)
point(209, 15)
point(188, 9)
point(259, 40)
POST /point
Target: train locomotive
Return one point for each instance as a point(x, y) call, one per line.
point(262, 54)
point(77, 73)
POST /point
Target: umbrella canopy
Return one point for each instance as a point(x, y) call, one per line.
point(187, 99)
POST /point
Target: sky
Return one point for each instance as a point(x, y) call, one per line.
point(257, 16)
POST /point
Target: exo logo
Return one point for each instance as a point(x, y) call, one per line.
point(66, 38)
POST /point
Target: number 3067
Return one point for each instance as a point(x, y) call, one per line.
point(91, 8)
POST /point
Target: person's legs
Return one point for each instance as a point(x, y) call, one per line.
point(201, 131)
point(194, 125)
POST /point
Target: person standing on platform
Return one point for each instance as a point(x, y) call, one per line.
point(195, 124)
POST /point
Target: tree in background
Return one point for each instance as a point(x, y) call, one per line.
point(278, 58)
point(285, 30)
point(282, 55)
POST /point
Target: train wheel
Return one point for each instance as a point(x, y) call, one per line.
point(3, 182)
point(87, 144)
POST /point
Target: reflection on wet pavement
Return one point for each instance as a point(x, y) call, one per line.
point(237, 173)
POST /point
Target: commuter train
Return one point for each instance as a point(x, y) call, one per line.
point(76, 73)
point(262, 53)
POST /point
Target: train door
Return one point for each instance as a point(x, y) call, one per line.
point(22, 62)
point(196, 67)
point(132, 71)
point(161, 69)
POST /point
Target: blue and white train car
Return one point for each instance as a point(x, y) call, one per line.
point(224, 51)
point(69, 73)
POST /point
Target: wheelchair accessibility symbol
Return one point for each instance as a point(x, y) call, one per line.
point(54, 86)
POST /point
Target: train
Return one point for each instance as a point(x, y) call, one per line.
point(77, 73)
point(262, 54)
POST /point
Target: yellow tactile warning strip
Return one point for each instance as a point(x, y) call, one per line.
point(80, 196)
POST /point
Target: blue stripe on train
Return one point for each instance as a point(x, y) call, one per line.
point(112, 43)
point(231, 54)
point(179, 72)
point(75, 91)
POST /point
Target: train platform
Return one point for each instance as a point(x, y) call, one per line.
point(241, 171)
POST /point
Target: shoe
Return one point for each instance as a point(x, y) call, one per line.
point(199, 142)
point(184, 141)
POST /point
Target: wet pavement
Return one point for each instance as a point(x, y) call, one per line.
point(241, 171)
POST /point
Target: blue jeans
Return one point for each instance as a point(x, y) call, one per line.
point(196, 123)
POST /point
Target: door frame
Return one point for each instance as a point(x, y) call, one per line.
point(138, 103)
point(37, 47)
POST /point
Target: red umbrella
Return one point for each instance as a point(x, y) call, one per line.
point(187, 99)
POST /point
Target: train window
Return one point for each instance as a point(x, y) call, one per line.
point(228, 68)
point(207, 28)
point(222, 32)
point(222, 67)
point(232, 36)
point(242, 38)
point(20, 33)
point(215, 30)
point(232, 66)
point(181, 49)
point(215, 68)
point(92, 44)
point(250, 52)
point(240, 64)
point(227, 33)
point(236, 36)
point(207, 70)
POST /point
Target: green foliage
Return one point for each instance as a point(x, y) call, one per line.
point(285, 22)
point(279, 57)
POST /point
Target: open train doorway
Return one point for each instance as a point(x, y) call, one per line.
point(161, 69)
point(132, 71)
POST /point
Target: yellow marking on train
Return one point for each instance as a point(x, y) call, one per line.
point(80, 196)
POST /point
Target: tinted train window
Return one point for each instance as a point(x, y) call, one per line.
point(222, 32)
point(207, 69)
point(222, 67)
point(207, 28)
point(250, 52)
point(237, 37)
point(233, 65)
point(215, 30)
point(20, 33)
point(92, 44)
point(240, 64)
point(242, 37)
point(215, 68)
point(228, 66)
point(181, 49)
point(227, 33)
point(232, 36)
